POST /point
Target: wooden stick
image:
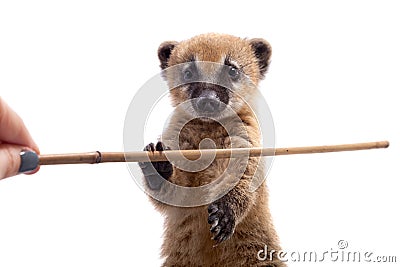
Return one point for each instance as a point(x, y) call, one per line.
point(144, 156)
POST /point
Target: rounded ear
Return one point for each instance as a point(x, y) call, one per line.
point(164, 52)
point(262, 51)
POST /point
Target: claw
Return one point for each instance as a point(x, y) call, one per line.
point(212, 218)
point(160, 146)
point(214, 226)
point(212, 208)
point(149, 147)
point(216, 231)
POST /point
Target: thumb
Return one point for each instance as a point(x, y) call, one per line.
point(16, 159)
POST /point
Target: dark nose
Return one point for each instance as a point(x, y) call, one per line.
point(208, 104)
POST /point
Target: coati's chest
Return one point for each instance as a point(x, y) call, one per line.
point(198, 134)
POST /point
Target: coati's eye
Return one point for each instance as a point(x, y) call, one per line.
point(233, 73)
point(187, 75)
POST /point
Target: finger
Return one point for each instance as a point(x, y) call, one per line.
point(16, 159)
point(13, 129)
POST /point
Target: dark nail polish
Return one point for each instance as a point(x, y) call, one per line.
point(29, 161)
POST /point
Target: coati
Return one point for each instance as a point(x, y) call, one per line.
point(230, 230)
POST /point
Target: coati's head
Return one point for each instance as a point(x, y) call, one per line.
point(211, 72)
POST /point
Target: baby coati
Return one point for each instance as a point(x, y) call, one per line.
point(224, 229)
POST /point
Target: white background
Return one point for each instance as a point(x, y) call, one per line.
point(71, 68)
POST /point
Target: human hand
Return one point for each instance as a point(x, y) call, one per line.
point(18, 151)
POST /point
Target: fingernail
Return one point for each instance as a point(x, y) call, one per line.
point(29, 161)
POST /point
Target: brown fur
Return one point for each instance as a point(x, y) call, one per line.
point(187, 238)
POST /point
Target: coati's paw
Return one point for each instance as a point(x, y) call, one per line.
point(162, 170)
point(222, 220)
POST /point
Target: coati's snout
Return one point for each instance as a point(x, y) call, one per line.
point(208, 102)
point(208, 99)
